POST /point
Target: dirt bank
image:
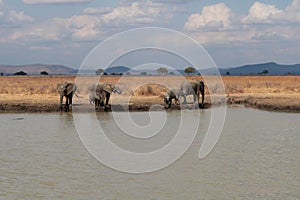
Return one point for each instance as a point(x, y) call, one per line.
point(270, 103)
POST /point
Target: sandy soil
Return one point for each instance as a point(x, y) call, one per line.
point(39, 94)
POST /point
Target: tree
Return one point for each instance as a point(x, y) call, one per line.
point(227, 73)
point(162, 70)
point(2, 74)
point(265, 71)
point(44, 73)
point(99, 71)
point(144, 73)
point(20, 73)
point(189, 70)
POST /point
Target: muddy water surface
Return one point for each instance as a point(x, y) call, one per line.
point(257, 157)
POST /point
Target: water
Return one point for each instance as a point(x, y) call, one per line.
point(256, 157)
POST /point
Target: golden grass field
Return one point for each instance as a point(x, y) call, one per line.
point(265, 92)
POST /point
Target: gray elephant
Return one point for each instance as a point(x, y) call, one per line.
point(170, 95)
point(193, 87)
point(100, 94)
point(67, 90)
point(96, 96)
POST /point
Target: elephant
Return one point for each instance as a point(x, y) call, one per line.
point(170, 95)
point(96, 97)
point(100, 94)
point(67, 90)
point(193, 87)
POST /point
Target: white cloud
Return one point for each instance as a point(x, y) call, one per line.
point(216, 16)
point(76, 28)
point(84, 27)
point(54, 1)
point(136, 13)
point(18, 17)
point(269, 36)
point(93, 25)
point(53, 30)
point(261, 13)
point(292, 12)
point(95, 20)
point(1, 6)
point(93, 11)
point(223, 37)
point(40, 48)
point(264, 13)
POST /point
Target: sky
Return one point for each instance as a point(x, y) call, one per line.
point(233, 32)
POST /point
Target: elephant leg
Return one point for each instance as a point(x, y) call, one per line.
point(195, 97)
point(169, 103)
point(96, 104)
point(107, 98)
point(184, 99)
point(202, 103)
point(106, 102)
point(67, 104)
point(70, 102)
point(198, 97)
point(101, 102)
point(61, 103)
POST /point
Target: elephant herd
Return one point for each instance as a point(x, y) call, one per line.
point(99, 94)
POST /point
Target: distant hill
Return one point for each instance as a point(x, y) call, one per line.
point(117, 69)
point(36, 69)
point(270, 68)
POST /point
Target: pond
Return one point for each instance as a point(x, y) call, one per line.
point(256, 157)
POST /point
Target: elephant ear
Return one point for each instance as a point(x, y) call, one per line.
point(69, 88)
point(108, 87)
point(60, 87)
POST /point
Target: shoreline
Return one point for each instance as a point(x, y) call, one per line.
point(252, 102)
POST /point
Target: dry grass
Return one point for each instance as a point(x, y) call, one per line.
point(43, 89)
point(262, 84)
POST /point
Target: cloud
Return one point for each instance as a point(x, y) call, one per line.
point(40, 48)
point(137, 13)
point(269, 36)
point(52, 30)
point(18, 17)
point(84, 27)
point(93, 25)
point(99, 11)
point(292, 12)
point(1, 6)
point(76, 28)
point(216, 16)
point(54, 1)
point(261, 13)
point(265, 13)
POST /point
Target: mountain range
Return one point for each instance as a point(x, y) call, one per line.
point(36, 69)
point(270, 68)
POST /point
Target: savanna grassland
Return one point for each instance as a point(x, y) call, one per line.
point(39, 94)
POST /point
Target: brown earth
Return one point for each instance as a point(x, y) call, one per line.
point(141, 93)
